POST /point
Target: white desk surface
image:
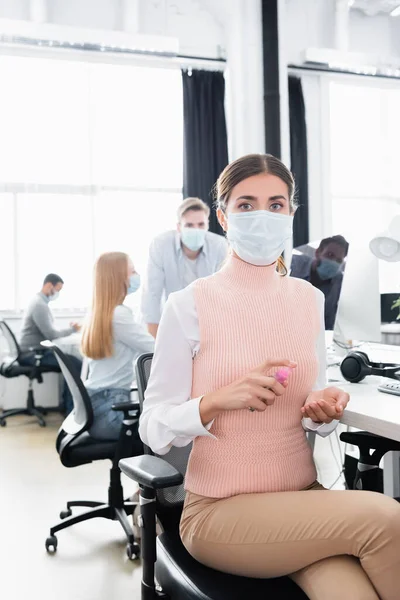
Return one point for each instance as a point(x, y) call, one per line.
point(368, 408)
point(372, 410)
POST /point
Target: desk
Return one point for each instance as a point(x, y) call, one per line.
point(70, 344)
point(377, 413)
point(391, 333)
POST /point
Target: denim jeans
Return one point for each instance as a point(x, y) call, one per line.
point(49, 360)
point(107, 422)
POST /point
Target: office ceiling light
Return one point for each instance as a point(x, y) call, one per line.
point(395, 12)
point(386, 245)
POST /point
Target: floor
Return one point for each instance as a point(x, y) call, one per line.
point(90, 563)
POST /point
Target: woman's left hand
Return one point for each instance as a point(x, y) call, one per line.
point(323, 406)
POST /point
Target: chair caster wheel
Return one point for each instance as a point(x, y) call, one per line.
point(3, 423)
point(64, 514)
point(133, 551)
point(51, 544)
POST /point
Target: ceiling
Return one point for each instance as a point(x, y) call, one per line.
point(374, 7)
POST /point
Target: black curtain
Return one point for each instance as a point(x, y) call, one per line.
point(205, 146)
point(298, 159)
point(272, 112)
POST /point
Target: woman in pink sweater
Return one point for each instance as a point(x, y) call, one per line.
point(239, 369)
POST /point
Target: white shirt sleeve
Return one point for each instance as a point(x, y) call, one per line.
point(170, 417)
point(153, 285)
point(323, 429)
point(132, 334)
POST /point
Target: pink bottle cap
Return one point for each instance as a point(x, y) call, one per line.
point(283, 374)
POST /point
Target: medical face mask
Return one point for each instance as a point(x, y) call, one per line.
point(259, 237)
point(134, 283)
point(328, 268)
point(193, 238)
point(53, 296)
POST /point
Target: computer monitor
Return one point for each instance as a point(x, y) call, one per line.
point(352, 299)
point(358, 316)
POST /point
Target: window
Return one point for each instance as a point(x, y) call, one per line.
point(363, 147)
point(7, 251)
point(91, 161)
point(124, 223)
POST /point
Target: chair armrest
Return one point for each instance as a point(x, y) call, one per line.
point(126, 406)
point(366, 440)
point(151, 471)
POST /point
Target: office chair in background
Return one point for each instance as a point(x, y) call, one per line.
point(76, 447)
point(10, 368)
point(164, 558)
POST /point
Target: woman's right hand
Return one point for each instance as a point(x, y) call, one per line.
point(254, 391)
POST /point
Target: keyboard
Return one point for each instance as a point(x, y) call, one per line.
point(390, 387)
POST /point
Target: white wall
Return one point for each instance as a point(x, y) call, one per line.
point(14, 9)
point(93, 14)
point(371, 34)
point(311, 24)
point(198, 30)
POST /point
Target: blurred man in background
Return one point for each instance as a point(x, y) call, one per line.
point(177, 258)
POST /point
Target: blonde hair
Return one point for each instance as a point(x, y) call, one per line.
point(192, 204)
point(110, 287)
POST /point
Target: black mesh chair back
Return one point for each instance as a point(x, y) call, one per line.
point(13, 349)
point(178, 457)
point(81, 418)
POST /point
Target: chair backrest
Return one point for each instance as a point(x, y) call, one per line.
point(81, 418)
point(13, 346)
point(177, 457)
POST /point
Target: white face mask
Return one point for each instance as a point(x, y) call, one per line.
point(193, 238)
point(259, 237)
point(53, 296)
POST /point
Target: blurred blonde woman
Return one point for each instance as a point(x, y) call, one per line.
point(112, 340)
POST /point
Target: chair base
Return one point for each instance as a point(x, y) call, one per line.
point(31, 411)
point(97, 509)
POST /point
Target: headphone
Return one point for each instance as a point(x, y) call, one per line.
point(356, 366)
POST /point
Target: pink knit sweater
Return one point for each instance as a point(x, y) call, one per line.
point(247, 314)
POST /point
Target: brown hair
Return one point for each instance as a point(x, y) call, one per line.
point(192, 204)
point(110, 281)
point(247, 166)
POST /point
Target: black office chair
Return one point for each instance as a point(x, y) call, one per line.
point(364, 473)
point(76, 447)
point(10, 367)
point(178, 575)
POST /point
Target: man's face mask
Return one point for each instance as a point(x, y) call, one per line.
point(327, 269)
point(54, 295)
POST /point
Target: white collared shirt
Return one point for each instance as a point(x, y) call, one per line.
point(167, 272)
point(170, 417)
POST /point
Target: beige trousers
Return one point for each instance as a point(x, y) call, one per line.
point(336, 545)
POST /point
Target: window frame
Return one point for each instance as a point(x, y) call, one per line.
point(73, 55)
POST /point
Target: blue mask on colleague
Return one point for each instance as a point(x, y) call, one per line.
point(53, 297)
point(327, 269)
point(193, 238)
point(134, 283)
